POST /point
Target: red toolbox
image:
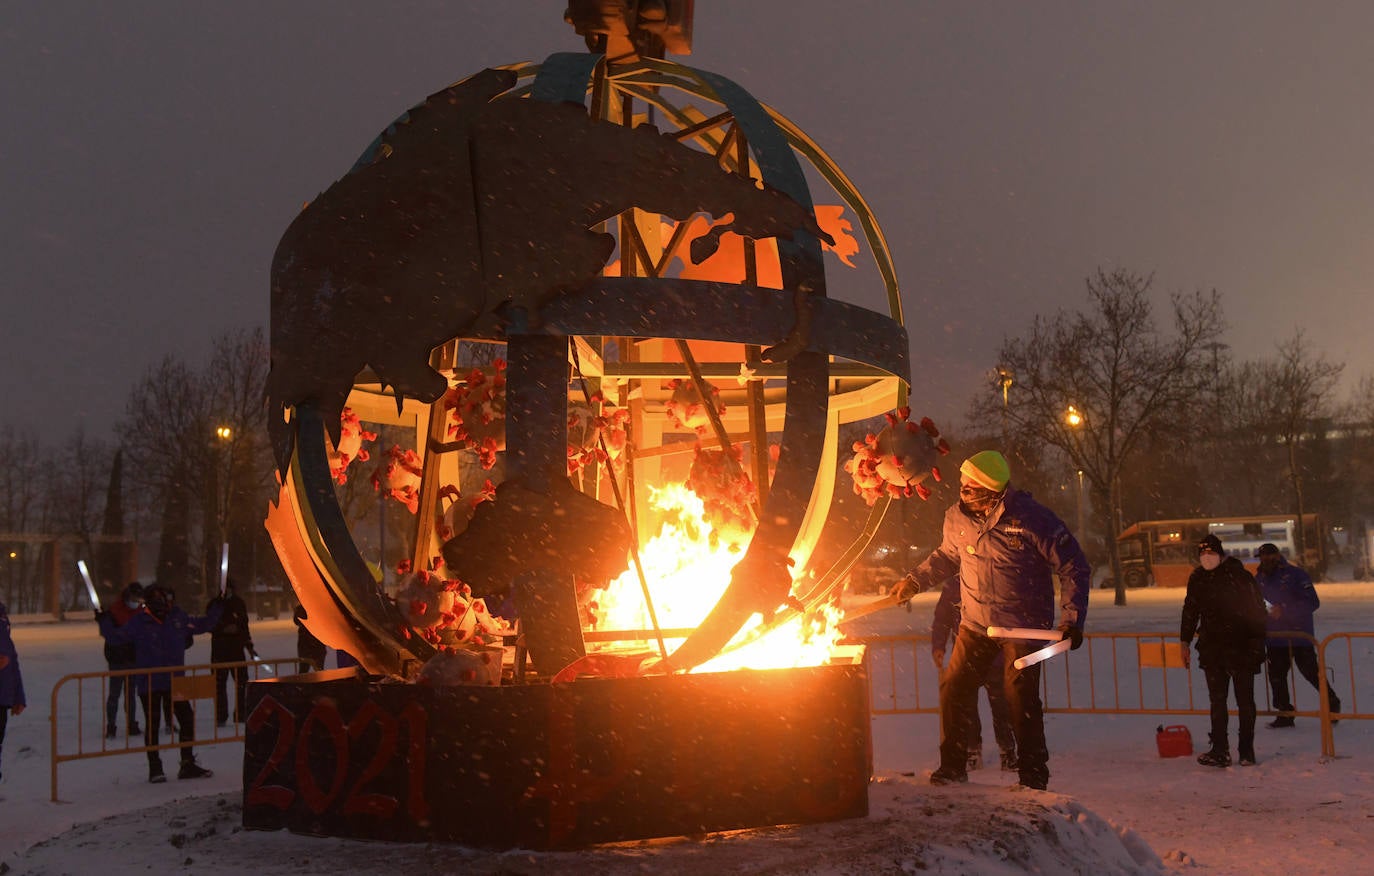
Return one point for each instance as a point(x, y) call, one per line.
point(1174, 741)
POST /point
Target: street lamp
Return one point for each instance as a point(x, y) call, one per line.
point(1074, 418)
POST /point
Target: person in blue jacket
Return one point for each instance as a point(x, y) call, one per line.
point(161, 633)
point(943, 626)
point(11, 681)
point(1291, 600)
point(1007, 550)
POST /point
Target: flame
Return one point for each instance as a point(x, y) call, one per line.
point(686, 575)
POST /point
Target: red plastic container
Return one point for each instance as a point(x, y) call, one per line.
point(1174, 741)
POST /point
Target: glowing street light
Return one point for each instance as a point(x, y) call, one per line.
point(1073, 417)
point(224, 433)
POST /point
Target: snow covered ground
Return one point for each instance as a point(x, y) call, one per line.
point(1114, 805)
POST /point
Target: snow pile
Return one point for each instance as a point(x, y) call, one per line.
point(1114, 805)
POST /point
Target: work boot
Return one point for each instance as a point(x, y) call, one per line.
point(192, 770)
point(1215, 758)
point(943, 776)
point(110, 732)
point(135, 730)
point(1009, 761)
point(1280, 722)
point(155, 774)
point(1247, 757)
point(975, 759)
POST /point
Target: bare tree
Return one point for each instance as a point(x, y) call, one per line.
point(1299, 397)
point(1095, 383)
point(21, 506)
point(166, 437)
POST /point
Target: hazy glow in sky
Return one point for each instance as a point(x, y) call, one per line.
point(149, 161)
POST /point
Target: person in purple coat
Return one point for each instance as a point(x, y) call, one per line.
point(160, 633)
point(11, 681)
point(1290, 601)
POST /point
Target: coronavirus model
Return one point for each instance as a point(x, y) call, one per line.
point(610, 385)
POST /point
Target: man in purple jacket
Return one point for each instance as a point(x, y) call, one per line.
point(1007, 549)
point(1291, 599)
point(160, 634)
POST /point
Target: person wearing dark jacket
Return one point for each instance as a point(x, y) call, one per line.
point(1291, 600)
point(230, 642)
point(943, 625)
point(161, 633)
point(1224, 609)
point(309, 650)
point(1007, 549)
point(11, 681)
point(119, 657)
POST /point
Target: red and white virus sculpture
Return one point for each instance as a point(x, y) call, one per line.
point(350, 449)
point(895, 461)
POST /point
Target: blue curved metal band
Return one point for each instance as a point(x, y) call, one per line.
point(777, 162)
point(563, 77)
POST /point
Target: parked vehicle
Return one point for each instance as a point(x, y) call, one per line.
point(1162, 553)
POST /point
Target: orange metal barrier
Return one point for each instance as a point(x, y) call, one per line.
point(198, 682)
point(1122, 674)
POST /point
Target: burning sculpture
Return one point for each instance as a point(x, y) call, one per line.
point(491, 213)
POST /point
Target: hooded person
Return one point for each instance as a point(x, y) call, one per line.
point(11, 680)
point(120, 657)
point(1224, 610)
point(1290, 600)
point(230, 642)
point(160, 634)
point(1007, 550)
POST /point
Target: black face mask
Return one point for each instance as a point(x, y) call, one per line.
point(977, 499)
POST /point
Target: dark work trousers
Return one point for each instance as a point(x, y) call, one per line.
point(968, 667)
point(1279, 658)
point(1222, 674)
point(186, 723)
point(240, 674)
point(1001, 712)
point(118, 683)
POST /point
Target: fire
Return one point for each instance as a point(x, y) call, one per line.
point(687, 574)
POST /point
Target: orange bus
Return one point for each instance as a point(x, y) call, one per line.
point(1163, 553)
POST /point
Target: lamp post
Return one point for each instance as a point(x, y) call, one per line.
point(1074, 418)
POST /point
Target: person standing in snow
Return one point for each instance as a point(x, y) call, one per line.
point(1223, 607)
point(1291, 600)
point(1006, 550)
point(943, 625)
point(309, 650)
point(11, 681)
point(161, 633)
point(119, 657)
point(230, 642)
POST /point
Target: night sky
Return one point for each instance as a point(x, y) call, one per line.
point(152, 153)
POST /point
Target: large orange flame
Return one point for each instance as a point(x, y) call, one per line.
point(686, 575)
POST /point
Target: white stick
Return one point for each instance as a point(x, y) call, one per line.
point(90, 585)
point(1046, 653)
point(223, 567)
point(1024, 633)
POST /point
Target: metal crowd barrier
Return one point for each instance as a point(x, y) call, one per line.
point(71, 731)
point(1139, 673)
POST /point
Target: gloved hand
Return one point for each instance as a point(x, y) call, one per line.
point(98, 615)
point(904, 589)
point(1187, 655)
point(938, 655)
point(1073, 633)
